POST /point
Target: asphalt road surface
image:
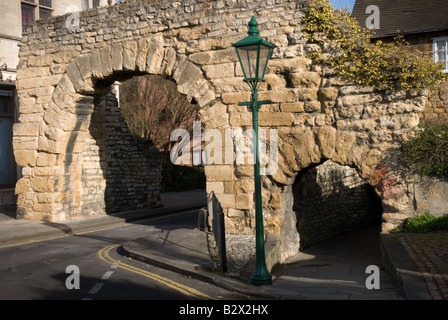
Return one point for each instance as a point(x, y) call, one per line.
point(90, 266)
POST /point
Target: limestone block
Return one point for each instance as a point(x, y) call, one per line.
point(46, 159)
point(329, 93)
point(76, 78)
point(226, 200)
point(308, 79)
point(344, 142)
point(282, 66)
point(33, 73)
point(169, 61)
point(219, 173)
point(66, 88)
point(42, 184)
point(95, 63)
point(213, 111)
point(312, 106)
point(30, 129)
point(276, 200)
point(234, 98)
point(306, 149)
point(274, 119)
point(25, 158)
point(220, 70)
point(129, 55)
point(154, 59)
point(244, 185)
point(25, 143)
point(241, 119)
point(243, 201)
point(234, 213)
point(244, 171)
point(106, 61)
point(206, 98)
point(216, 187)
point(357, 99)
point(84, 65)
point(214, 57)
point(304, 94)
point(292, 107)
point(326, 140)
point(117, 56)
point(188, 78)
point(22, 186)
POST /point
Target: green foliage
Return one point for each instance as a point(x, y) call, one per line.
point(428, 150)
point(382, 65)
point(423, 223)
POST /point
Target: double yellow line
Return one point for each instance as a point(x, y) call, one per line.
point(103, 254)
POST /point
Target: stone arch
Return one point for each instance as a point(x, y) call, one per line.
point(330, 199)
point(64, 127)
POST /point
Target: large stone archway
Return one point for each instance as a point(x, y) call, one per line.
point(318, 116)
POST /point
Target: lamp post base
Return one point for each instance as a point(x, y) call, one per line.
point(261, 278)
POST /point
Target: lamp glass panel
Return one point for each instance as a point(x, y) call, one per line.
point(248, 56)
point(264, 58)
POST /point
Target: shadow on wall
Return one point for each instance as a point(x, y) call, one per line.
point(329, 200)
point(120, 171)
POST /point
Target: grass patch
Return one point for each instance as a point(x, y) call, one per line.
point(423, 223)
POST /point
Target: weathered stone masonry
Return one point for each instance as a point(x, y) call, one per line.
point(318, 115)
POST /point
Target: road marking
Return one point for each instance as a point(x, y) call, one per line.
point(103, 254)
point(96, 288)
point(107, 275)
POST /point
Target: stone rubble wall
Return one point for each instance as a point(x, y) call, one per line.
point(437, 105)
point(318, 115)
point(331, 199)
point(120, 171)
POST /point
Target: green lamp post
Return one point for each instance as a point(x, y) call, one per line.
point(254, 53)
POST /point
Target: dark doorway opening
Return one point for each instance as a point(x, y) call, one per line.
point(330, 199)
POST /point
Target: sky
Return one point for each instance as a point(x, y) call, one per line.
point(343, 3)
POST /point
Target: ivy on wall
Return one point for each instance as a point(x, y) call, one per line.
point(381, 65)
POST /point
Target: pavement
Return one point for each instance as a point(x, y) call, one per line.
point(410, 266)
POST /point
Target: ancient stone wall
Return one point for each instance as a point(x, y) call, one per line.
point(317, 115)
point(120, 171)
point(437, 106)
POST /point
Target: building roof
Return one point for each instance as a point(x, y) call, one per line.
point(404, 16)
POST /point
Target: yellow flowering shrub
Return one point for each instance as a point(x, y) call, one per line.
point(348, 47)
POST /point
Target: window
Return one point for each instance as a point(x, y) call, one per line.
point(33, 10)
point(46, 3)
point(96, 3)
point(440, 46)
point(7, 171)
point(27, 16)
point(43, 13)
point(84, 5)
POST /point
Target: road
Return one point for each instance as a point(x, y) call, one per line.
point(90, 266)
